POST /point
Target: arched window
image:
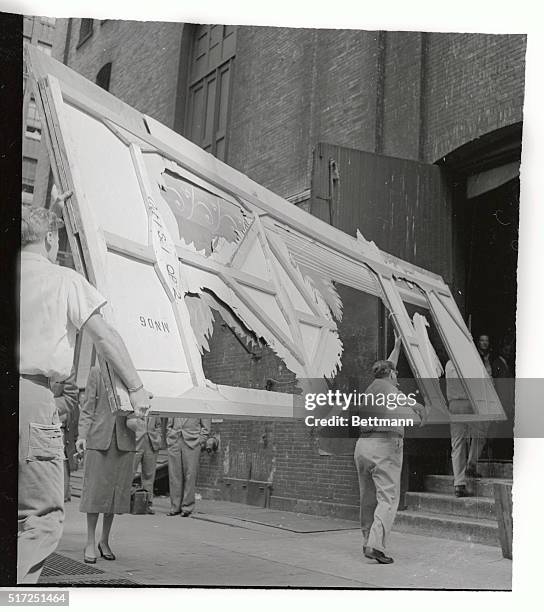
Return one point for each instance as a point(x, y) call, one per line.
point(210, 75)
point(103, 76)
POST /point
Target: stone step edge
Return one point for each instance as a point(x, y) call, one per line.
point(448, 497)
point(460, 510)
point(482, 479)
point(448, 518)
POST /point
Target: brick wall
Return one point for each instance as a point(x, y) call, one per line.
point(303, 479)
point(474, 85)
point(420, 97)
point(145, 60)
point(401, 120)
point(345, 93)
point(269, 122)
point(294, 87)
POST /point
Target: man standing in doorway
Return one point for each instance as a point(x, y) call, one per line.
point(378, 458)
point(185, 438)
point(55, 303)
point(484, 348)
point(501, 433)
point(462, 434)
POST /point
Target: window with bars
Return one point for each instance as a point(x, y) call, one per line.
point(33, 128)
point(85, 30)
point(210, 75)
point(103, 77)
point(29, 174)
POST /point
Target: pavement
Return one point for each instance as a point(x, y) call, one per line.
point(227, 544)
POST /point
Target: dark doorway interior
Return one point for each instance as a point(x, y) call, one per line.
point(484, 176)
point(490, 229)
point(491, 234)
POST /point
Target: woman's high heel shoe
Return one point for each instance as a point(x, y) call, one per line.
point(107, 556)
point(88, 559)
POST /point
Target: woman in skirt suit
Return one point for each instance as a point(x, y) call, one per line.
point(109, 447)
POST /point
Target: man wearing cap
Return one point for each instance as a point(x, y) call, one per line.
point(378, 458)
point(55, 303)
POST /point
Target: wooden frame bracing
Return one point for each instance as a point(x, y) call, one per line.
point(153, 218)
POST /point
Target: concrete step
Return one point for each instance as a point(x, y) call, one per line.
point(496, 469)
point(446, 503)
point(479, 487)
point(481, 531)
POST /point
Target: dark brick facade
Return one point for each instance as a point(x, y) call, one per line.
point(144, 58)
point(403, 94)
point(474, 85)
point(293, 89)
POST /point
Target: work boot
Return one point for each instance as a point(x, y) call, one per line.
point(461, 491)
point(378, 555)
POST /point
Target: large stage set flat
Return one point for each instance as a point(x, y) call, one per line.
point(172, 237)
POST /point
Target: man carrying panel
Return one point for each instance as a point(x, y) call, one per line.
point(378, 458)
point(55, 303)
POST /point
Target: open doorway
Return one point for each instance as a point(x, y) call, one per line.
point(485, 227)
point(492, 221)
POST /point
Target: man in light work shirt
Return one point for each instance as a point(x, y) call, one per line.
point(378, 458)
point(55, 303)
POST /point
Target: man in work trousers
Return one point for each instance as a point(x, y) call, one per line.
point(148, 432)
point(55, 302)
point(378, 458)
point(66, 396)
point(462, 434)
point(184, 437)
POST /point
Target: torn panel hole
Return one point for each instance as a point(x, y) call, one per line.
point(232, 354)
point(205, 309)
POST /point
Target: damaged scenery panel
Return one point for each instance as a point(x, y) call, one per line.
point(177, 240)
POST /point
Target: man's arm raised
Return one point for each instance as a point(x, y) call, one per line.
point(395, 353)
